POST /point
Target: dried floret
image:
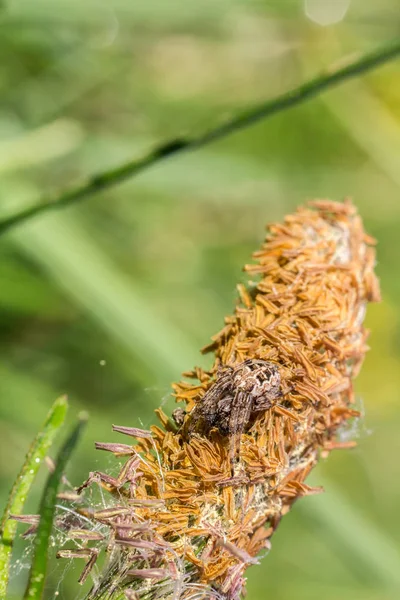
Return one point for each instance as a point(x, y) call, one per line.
point(184, 518)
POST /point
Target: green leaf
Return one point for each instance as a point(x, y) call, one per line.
point(35, 587)
point(65, 251)
point(23, 483)
point(363, 546)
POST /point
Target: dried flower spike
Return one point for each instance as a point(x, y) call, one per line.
point(187, 514)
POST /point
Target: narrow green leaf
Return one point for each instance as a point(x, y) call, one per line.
point(23, 483)
point(362, 544)
point(59, 244)
point(35, 587)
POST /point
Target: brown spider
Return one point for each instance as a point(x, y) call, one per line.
point(238, 392)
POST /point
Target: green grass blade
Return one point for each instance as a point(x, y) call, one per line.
point(62, 247)
point(23, 483)
point(35, 587)
point(361, 543)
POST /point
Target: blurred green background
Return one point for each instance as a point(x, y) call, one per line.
point(109, 300)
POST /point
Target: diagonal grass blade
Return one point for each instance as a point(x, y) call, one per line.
point(35, 587)
point(23, 483)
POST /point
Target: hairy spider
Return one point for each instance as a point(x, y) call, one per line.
point(238, 392)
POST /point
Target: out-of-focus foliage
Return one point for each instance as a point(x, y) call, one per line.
point(108, 301)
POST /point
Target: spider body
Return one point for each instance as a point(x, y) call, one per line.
point(238, 392)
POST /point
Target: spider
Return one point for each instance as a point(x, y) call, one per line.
point(238, 392)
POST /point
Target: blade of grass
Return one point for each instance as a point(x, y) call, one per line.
point(294, 97)
point(375, 552)
point(61, 246)
point(379, 140)
point(35, 587)
point(354, 536)
point(23, 483)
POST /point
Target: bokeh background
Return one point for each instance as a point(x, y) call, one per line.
point(109, 300)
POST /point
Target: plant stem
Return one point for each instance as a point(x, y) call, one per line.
point(36, 454)
point(298, 95)
point(37, 577)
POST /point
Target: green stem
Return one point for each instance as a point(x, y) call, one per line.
point(37, 578)
point(294, 97)
point(23, 483)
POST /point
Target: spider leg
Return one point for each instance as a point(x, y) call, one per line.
point(195, 417)
point(240, 414)
point(225, 375)
point(217, 389)
point(223, 382)
point(234, 446)
point(207, 408)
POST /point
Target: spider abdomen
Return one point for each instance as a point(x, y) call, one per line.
point(238, 392)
